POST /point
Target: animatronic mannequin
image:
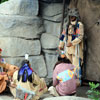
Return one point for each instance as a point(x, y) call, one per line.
point(26, 85)
point(6, 73)
point(72, 39)
point(65, 81)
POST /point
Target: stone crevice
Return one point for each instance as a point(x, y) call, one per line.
point(18, 56)
point(25, 38)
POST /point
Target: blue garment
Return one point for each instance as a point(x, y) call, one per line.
point(75, 35)
point(25, 72)
point(62, 37)
point(65, 75)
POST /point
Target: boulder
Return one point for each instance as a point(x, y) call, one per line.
point(52, 12)
point(18, 47)
point(20, 7)
point(52, 9)
point(51, 60)
point(21, 26)
point(49, 41)
point(37, 63)
point(55, 19)
point(52, 28)
point(55, 51)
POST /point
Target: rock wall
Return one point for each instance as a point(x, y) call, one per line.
point(20, 33)
point(90, 15)
point(51, 14)
point(23, 31)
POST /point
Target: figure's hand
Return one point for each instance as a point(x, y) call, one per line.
point(5, 77)
point(13, 85)
point(60, 48)
point(10, 73)
point(69, 44)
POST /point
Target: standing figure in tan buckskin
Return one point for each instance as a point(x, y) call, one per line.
point(72, 40)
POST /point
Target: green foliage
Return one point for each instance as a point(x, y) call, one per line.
point(93, 93)
point(3, 1)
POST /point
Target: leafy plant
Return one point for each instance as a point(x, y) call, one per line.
point(93, 93)
point(1, 1)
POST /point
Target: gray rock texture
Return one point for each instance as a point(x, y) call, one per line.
point(37, 63)
point(21, 26)
point(20, 31)
point(50, 51)
point(49, 41)
point(52, 27)
point(51, 60)
point(51, 10)
point(66, 98)
point(20, 7)
point(51, 13)
point(4, 97)
point(19, 47)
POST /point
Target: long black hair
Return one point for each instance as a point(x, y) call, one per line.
point(62, 60)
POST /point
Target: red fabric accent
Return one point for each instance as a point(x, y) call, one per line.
point(77, 31)
point(25, 96)
point(32, 69)
point(0, 50)
point(42, 89)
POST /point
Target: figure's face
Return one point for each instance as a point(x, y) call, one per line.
point(73, 20)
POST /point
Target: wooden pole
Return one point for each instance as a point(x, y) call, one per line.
point(62, 21)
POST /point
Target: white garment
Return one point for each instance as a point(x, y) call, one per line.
point(53, 91)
